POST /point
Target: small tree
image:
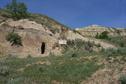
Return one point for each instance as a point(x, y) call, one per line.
point(17, 10)
point(103, 35)
point(14, 39)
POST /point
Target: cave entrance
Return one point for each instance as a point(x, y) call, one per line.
point(43, 48)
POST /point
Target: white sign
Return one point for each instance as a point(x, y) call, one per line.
point(63, 42)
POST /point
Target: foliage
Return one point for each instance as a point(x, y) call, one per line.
point(120, 41)
point(79, 44)
point(122, 79)
point(63, 69)
point(4, 71)
point(103, 35)
point(17, 10)
point(114, 52)
point(14, 39)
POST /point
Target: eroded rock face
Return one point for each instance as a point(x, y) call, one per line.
point(25, 23)
point(33, 35)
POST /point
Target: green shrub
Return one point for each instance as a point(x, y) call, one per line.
point(114, 52)
point(97, 36)
point(120, 41)
point(89, 46)
point(122, 51)
point(4, 71)
point(103, 35)
point(79, 44)
point(110, 52)
point(122, 79)
point(121, 44)
point(14, 39)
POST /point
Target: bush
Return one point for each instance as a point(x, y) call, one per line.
point(103, 35)
point(122, 79)
point(122, 51)
point(14, 39)
point(4, 71)
point(89, 46)
point(115, 52)
point(119, 41)
point(110, 52)
point(79, 44)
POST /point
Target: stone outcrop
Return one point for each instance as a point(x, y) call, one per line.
point(32, 34)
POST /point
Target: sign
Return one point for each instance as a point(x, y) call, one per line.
point(64, 42)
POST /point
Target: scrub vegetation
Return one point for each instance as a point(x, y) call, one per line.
point(79, 63)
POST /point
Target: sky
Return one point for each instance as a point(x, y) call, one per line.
point(80, 13)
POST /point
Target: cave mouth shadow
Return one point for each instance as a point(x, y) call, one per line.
point(43, 48)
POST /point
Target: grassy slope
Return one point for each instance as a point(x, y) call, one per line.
point(73, 67)
point(65, 69)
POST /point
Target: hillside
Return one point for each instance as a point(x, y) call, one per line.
point(38, 29)
point(32, 33)
point(93, 30)
point(39, 50)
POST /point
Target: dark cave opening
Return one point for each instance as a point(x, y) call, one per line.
point(43, 48)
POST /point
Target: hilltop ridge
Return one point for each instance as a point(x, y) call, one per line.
point(93, 30)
